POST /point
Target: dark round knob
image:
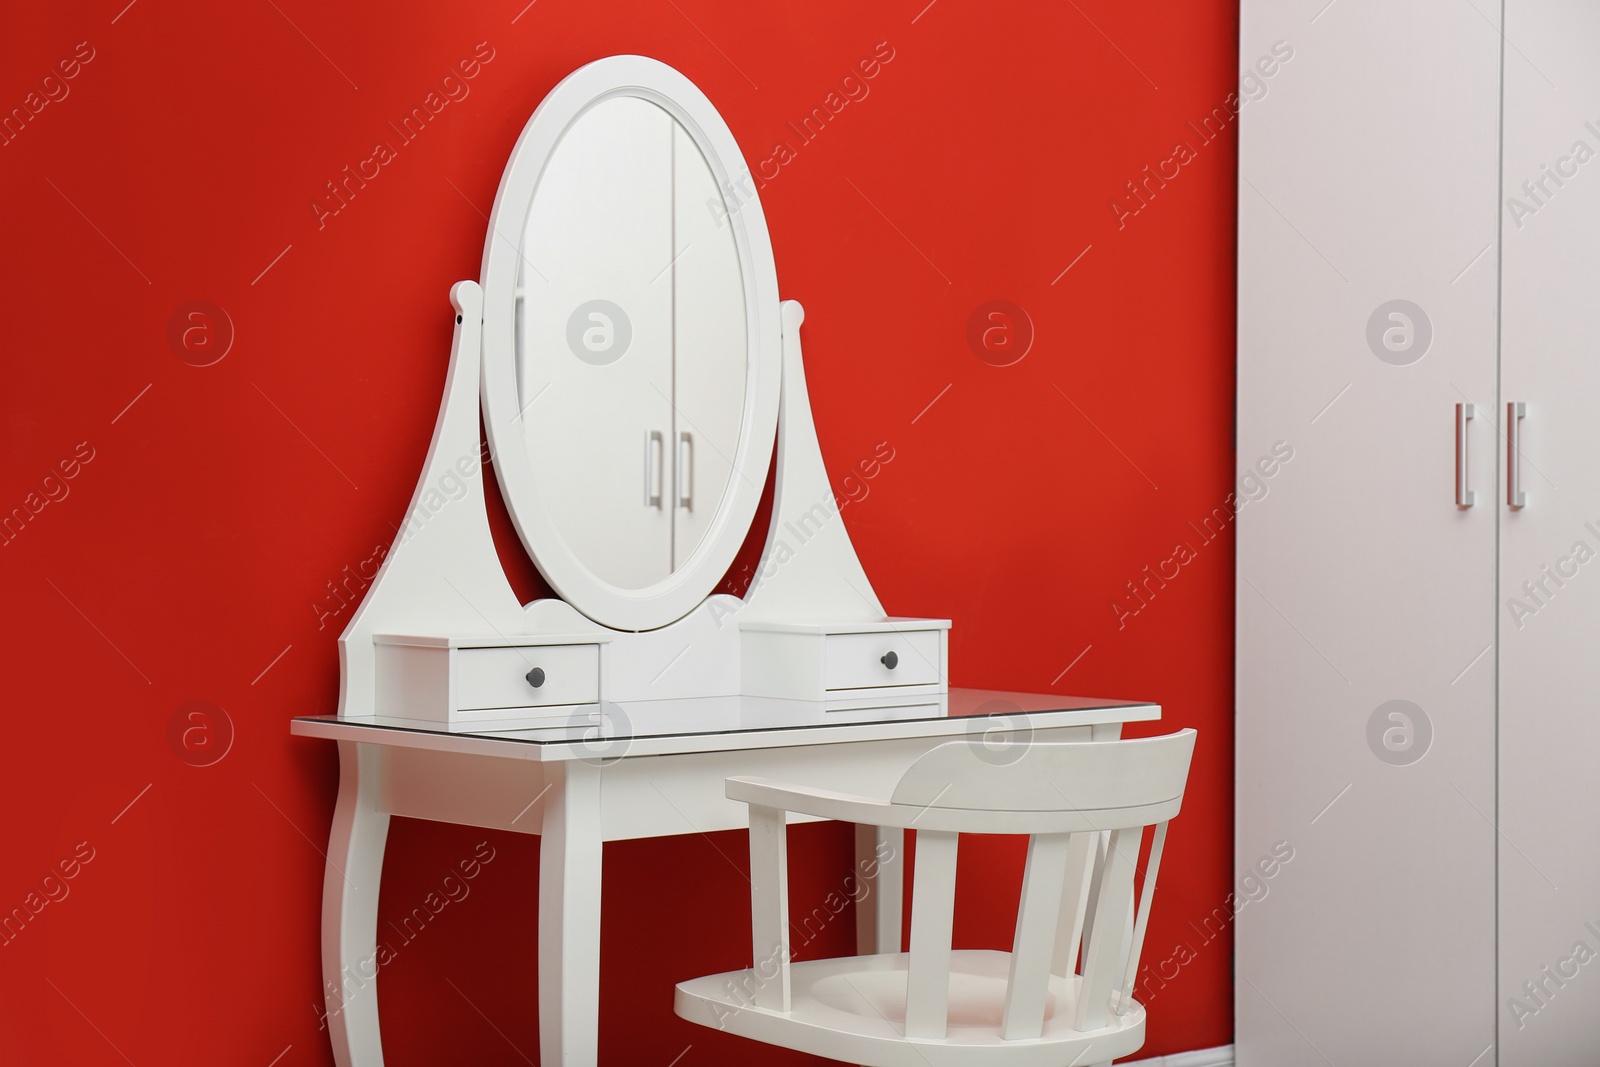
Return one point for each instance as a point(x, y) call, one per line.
point(890, 660)
point(535, 677)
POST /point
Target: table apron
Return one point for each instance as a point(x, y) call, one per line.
point(644, 796)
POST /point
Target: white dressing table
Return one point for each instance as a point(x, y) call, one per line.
point(642, 771)
point(638, 380)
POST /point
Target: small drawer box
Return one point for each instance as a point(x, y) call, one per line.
point(525, 676)
point(872, 660)
point(484, 679)
point(826, 661)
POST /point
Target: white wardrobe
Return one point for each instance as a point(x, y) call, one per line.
point(1418, 656)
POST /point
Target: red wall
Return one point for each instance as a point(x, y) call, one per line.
point(186, 556)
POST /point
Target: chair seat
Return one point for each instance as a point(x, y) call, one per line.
point(853, 1008)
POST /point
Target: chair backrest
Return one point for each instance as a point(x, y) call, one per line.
point(1114, 783)
point(1085, 807)
point(1098, 800)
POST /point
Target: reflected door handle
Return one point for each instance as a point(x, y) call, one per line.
point(1515, 412)
point(655, 447)
point(1465, 497)
point(686, 470)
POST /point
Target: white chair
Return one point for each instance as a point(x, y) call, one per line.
point(1084, 806)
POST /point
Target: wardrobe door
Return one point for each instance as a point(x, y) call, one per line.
point(1365, 846)
point(1549, 611)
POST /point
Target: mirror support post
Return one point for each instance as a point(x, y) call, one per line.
point(429, 565)
point(819, 577)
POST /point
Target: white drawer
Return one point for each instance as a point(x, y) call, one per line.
point(862, 661)
point(498, 677)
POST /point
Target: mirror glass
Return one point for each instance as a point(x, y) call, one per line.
point(630, 342)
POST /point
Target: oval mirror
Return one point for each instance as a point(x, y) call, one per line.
point(631, 343)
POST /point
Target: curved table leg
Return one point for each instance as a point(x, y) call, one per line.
point(350, 911)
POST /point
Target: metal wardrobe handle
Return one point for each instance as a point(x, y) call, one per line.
point(1465, 497)
point(655, 447)
point(1516, 410)
point(685, 470)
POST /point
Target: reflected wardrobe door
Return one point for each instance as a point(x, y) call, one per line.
point(710, 359)
point(595, 344)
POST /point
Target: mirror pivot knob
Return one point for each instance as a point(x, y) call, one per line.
point(535, 677)
point(890, 660)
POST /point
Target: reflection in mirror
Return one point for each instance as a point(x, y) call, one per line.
point(631, 342)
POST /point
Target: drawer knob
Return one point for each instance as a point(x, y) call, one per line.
point(535, 677)
point(890, 660)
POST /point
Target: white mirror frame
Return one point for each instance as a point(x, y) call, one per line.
point(680, 592)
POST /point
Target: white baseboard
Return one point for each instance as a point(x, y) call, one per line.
point(1205, 1057)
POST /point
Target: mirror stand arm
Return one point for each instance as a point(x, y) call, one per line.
point(825, 581)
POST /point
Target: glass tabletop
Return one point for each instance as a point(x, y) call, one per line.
point(601, 727)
